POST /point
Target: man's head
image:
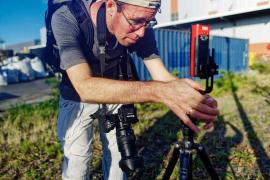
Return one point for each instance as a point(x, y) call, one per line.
point(128, 19)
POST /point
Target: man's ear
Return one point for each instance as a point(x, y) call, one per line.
point(111, 7)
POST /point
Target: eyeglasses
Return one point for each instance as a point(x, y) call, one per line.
point(137, 24)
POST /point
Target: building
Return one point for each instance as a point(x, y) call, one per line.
point(23, 47)
point(247, 19)
point(43, 36)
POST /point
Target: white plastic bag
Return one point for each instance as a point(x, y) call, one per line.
point(12, 73)
point(3, 79)
point(38, 68)
point(25, 69)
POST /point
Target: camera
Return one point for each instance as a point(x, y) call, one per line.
point(201, 58)
point(122, 121)
point(202, 62)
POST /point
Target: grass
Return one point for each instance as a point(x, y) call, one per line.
point(28, 144)
point(238, 145)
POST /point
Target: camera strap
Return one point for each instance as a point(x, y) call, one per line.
point(124, 64)
point(129, 69)
point(101, 36)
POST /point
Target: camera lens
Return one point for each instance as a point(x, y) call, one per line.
point(126, 139)
point(126, 145)
point(130, 164)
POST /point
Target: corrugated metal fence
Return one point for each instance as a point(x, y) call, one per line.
point(174, 47)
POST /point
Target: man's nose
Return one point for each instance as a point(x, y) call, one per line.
point(140, 32)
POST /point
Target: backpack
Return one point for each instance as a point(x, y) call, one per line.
point(77, 8)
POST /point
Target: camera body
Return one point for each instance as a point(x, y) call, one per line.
point(199, 52)
point(201, 61)
point(126, 113)
point(202, 64)
point(122, 121)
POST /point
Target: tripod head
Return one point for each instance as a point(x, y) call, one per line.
point(202, 62)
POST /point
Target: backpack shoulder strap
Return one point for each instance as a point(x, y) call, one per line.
point(101, 25)
point(81, 14)
point(52, 7)
point(51, 52)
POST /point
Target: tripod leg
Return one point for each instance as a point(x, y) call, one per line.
point(172, 162)
point(207, 164)
point(185, 165)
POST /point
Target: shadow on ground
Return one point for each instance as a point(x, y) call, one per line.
point(156, 143)
point(262, 158)
point(219, 146)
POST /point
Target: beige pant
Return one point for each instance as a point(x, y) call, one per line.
point(75, 132)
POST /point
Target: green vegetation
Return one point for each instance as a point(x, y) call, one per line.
point(263, 68)
point(28, 144)
point(229, 82)
point(238, 145)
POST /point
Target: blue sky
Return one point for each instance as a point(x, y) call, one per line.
point(21, 20)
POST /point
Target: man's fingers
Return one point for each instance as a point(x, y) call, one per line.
point(205, 117)
point(208, 126)
point(186, 120)
point(194, 84)
point(210, 101)
point(207, 109)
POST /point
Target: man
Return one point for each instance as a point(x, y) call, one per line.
point(83, 91)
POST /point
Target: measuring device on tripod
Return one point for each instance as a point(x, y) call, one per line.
point(202, 65)
point(202, 62)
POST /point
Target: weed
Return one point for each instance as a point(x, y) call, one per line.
point(261, 68)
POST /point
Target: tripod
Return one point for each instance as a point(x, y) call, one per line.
point(183, 150)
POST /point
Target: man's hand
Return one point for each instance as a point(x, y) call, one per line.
point(184, 99)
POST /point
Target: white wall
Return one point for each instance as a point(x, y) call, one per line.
point(257, 30)
point(190, 9)
point(202, 8)
point(165, 15)
point(193, 8)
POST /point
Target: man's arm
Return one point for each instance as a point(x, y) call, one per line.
point(179, 95)
point(101, 90)
point(158, 71)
